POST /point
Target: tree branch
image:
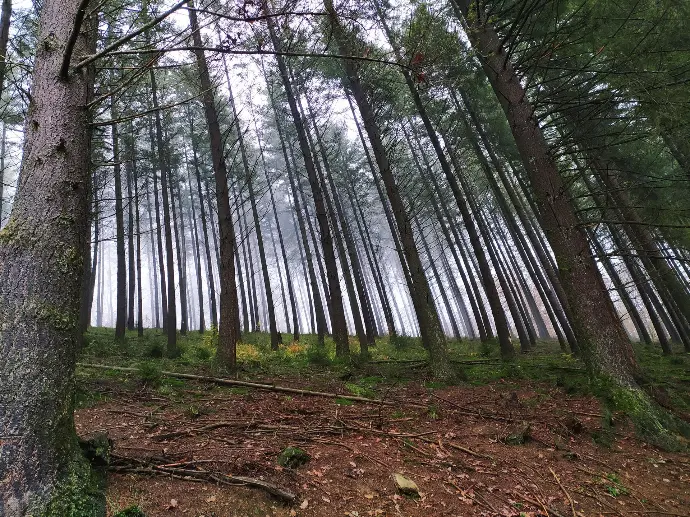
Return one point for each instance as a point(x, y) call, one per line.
point(67, 57)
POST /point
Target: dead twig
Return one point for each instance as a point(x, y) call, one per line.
point(570, 499)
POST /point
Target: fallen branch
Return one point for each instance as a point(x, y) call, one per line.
point(142, 466)
point(570, 499)
point(255, 385)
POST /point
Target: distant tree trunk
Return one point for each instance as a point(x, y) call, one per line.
point(427, 316)
point(172, 349)
point(305, 274)
point(317, 308)
point(338, 324)
point(373, 264)
point(276, 337)
point(286, 266)
point(180, 246)
point(621, 290)
point(135, 202)
point(155, 307)
point(121, 317)
point(247, 290)
point(476, 302)
point(159, 234)
point(557, 297)
point(197, 253)
point(42, 249)
point(357, 273)
point(229, 331)
point(99, 298)
point(390, 219)
point(204, 228)
point(131, 275)
point(2, 163)
point(444, 295)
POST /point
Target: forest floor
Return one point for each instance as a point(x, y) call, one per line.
point(524, 439)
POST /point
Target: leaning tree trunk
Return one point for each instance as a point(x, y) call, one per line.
point(605, 346)
point(338, 324)
point(42, 249)
point(427, 315)
point(229, 331)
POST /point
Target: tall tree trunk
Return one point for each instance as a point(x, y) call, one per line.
point(5, 18)
point(605, 347)
point(197, 253)
point(286, 266)
point(337, 312)
point(356, 267)
point(159, 234)
point(229, 331)
point(316, 294)
point(99, 298)
point(42, 249)
point(211, 284)
point(276, 337)
point(248, 291)
point(137, 225)
point(557, 297)
point(180, 246)
point(171, 322)
point(2, 164)
point(373, 264)
point(121, 316)
point(427, 316)
point(155, 307)
point(131, 267)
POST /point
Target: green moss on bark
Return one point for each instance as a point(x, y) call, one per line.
point(653, 423)
point(78, 493)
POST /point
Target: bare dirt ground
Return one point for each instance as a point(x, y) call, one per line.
point(169, 448)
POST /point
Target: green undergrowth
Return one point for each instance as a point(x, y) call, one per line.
point(389, 364)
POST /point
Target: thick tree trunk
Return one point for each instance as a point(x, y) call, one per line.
point(42, 250)
point(171, 322)
point(605, 346)
point(229, 331)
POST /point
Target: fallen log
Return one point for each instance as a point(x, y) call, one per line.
point(255, 385)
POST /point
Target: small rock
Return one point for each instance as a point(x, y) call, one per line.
point(405, 486)
point(293, 457)
point(519, 435)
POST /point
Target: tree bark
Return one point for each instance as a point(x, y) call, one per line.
point(171, 312)
point(337, 313)
point(229, 331)
point(121, 286)
point(197, 253)
point(605, 347)
point(204, 228)
point(427, 316)
point(42, 249)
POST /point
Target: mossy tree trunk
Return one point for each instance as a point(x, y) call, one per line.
point(42, 248)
